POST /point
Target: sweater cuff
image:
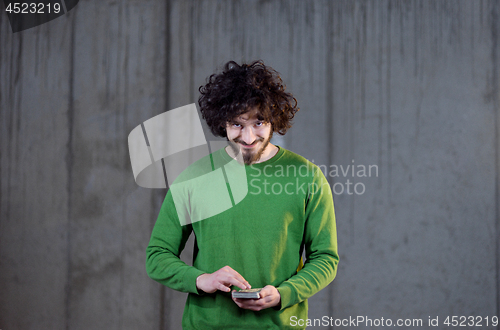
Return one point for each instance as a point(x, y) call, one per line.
point(286, 293)
point(191, 276)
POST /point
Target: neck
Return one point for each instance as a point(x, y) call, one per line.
point(270, 151)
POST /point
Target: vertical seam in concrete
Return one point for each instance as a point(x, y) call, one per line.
point(69, 168)
point(329, 114)
point(3, 115)
point(350, 73)
point(166, 99)
point(122, 14)
point(63, 5)
point(496, 103)
point(15, 106)
point(388, 100)
point(191, 50)
point(167, 74)
point(18, 104)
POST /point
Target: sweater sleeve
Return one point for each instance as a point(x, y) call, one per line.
point(162, 254)
point(320, 242)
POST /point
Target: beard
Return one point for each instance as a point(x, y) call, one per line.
point(250, 156)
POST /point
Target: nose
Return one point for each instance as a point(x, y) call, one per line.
point(248, 135)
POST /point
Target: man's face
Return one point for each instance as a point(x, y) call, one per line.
point(249, 135)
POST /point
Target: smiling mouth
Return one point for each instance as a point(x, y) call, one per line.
point(248, 146)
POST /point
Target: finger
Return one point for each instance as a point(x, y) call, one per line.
point(229, 280)
point(241, 282)
point(251, 304)
point(235, 274)
point(242, 303)
point(222, 287)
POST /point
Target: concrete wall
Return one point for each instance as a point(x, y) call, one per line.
point(411, 87)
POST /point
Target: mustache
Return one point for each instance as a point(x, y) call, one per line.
point(246, 144)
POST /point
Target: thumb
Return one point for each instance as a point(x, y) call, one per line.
point(266, 291)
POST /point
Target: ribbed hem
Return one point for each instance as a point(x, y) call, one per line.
point(286, 294)
point(191, 276)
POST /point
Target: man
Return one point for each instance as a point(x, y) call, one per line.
point(258, 241)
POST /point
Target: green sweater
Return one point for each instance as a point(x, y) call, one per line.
point(258, 225)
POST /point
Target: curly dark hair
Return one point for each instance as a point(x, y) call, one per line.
point(240, 88)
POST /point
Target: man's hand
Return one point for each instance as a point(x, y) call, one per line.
point(269, 297)
point(221, 280)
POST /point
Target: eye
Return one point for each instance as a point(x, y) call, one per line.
point(259, 124)
point(236, 125)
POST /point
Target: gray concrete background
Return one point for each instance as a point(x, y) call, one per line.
point(409, 86)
